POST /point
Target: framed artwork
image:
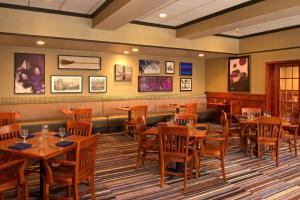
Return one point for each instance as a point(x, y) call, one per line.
point(170, 67)
point(185, 84)
point(79, 62)
point(149, 67)
point(97, 84)
point(185, 69)
point(66, 84)
point(29, 73)
point(238, 74)
point(155, 83)
point(123, 73)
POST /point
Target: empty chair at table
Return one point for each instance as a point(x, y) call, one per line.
point(146, 144)
point(255, 112)
point(82, 114)
point(173, 144)
point(9, 131)
point(7, 118)
point(136, 112)
point(290, 134)
point(12, 177)
point(269, 132)
point(71, 173)
point(183, 119)
point(191, 108)
point(79, 128)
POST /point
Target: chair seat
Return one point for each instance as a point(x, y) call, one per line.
point(63, 174)
point(212, 150)
point(150, 144)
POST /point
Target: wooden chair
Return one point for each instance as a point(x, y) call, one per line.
point(79, 128)
point(71, 173)
point(185, 118)
point(269, 132)
point(7, 118)
point(290, 134)
point(9, 131)
point(214, 146)
point(82, 115)
point(256, 112)
point(12, 176)
point(136, 111)
point(146, 144)
point(191, 108)
point(173, 142)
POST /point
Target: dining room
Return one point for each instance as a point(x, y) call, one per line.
point(140, 99)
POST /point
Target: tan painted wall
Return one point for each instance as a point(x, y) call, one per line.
point(45, 24)
point(217, 69)
point(108, 62)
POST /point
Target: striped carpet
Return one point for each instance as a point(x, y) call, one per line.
point(117, 177)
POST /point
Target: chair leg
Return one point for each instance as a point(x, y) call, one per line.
point(26, 191)
point(251, 150)
point(277, 154)
point(138, 157)
point(223, 167)
point(69, 191)
point(185, 177)
point(258, 154)
point(92, 185)
point(143, 157)
point(1, 195)
point(162, 173)
point(295, 146)
point(46, 191)
point(75, 191)
point(18, 193)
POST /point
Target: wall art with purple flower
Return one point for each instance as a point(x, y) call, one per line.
point(29, 73)
point(155, 83)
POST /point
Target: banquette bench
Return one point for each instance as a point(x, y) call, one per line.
point(38, 110)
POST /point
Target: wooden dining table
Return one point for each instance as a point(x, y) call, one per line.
point(174, 106)
point(194, 133)
point(40, 152)
point(125, 109)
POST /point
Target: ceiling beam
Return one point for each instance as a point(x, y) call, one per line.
point(121, 12)
point(253, 14)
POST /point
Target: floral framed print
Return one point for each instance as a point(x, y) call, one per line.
point(185, 84)
point(238, 74)
point(29, 73)
point(149, 67)
point(170, 67)
point(97, 84)
point(66, 84)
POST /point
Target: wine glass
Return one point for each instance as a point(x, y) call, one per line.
point(61, 133)
point(44, 130)
point(190, 123)
point(24, 134)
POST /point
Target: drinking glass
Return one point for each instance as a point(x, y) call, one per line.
point(190, 123)
point(44, 130)
point(24, 134)
point(61, 133)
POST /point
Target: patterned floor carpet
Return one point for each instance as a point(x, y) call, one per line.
point(117, 177)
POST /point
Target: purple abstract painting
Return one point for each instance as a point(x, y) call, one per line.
point(155, 83)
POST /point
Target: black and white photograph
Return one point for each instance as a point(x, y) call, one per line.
point(170, 67)
point(149, 67)
point(185, 84)
point(123, 73)
point(66, 84)
point(97, 84)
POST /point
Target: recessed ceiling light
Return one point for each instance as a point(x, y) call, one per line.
point(163, 15)
point(237, 29)
point(135, 50)
point(126, 52)
point(40, 42)
point(201, 55)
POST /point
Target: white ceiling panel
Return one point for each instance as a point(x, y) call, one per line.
point(48, 4)
point(271, 25)
point(79, 6)
point(16, 2)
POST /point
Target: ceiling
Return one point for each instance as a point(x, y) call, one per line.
point(75, 6)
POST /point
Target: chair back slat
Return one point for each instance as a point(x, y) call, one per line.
point(191, 108)
point(7, 118)
point(79, 128)
point(256, 112)
point(269, 127)
point(174, 141)
point(139, 111)
point(82, 115)
point(9, 131)
point(184, 118)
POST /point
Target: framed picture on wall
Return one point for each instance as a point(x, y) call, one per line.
point(155, 83)
point(170, 67)
point(238, 74)
point(123, 73)
point(79, 62)
point(66, 84)
point(185, 69)
point(149, 67)
point(97, 84)
point(185, 84)
point(29, 73)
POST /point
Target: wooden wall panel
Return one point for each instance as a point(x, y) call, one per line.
point(238, 100)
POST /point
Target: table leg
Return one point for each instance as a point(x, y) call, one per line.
point(177, 110)
point(129, 115)
point(42, 173)
point(196, 157)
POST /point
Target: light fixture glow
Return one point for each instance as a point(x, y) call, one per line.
point(40, 42)
point(126, 52)
point(163, 15)
point(135, 50)
point(237, 29)
point(201, 55)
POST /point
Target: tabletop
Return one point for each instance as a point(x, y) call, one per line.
point(124, 108)
point(218, 103)
point(48, 150)
point(255, 121)
point(173, 106)
point(67, 111)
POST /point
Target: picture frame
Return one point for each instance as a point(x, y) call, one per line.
point(170, 67)
point(185, 84)
point(79, 62)
point(123, 73)
point(66, 84)
point(155, 83)
point(97, 84)
point(238, 74)
point(149, 67)
point(29, 73)
point(185, 69)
